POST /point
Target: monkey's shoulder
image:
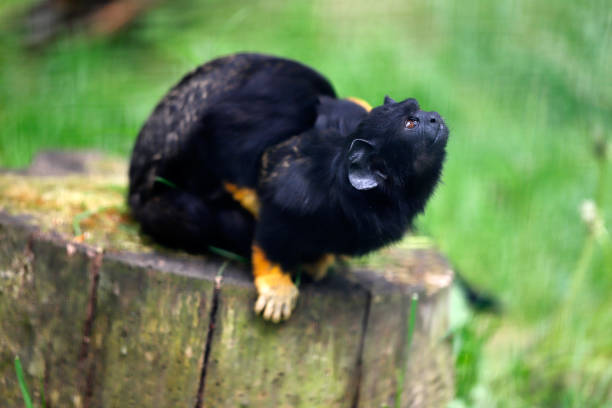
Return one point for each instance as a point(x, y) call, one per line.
point(288, 175)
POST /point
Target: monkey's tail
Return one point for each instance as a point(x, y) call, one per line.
point(479, 300)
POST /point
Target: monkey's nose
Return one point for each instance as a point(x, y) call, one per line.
point(434, 117)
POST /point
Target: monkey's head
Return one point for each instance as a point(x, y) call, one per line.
point(397, 147)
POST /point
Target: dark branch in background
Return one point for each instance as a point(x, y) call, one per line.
point(49, 18)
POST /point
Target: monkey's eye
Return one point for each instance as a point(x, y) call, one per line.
point(411, 123)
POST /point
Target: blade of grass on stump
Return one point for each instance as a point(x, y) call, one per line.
point(24, 389)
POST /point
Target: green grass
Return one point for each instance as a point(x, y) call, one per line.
point(27, 400)
point(524, 86)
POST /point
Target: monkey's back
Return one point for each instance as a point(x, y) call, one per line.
point(220, 117)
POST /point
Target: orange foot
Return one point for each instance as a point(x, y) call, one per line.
point(277, 295)
point(318, 270)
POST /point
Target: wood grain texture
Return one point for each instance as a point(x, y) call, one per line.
point(43, 306)
point(427, 363)
point(308, 361)
point(150, 331)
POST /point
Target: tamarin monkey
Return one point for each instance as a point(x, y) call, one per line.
point(255, 154)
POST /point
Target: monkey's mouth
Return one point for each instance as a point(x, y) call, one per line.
point(441, 136)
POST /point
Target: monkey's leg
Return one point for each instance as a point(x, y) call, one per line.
point(277, 294)
point(176, 219)
point(317, 270)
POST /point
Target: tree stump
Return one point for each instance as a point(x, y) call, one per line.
point(100, 317)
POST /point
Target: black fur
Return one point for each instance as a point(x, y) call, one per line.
point(331, 177)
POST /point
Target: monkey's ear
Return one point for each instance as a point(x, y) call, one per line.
point(360, 173)
point(388, 100)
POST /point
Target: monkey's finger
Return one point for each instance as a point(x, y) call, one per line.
point(276, 313)
point(269, 310)
point(286, 310)
point(260, 304)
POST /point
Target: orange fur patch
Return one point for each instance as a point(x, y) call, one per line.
point(262, 266)
point(360, 102)
point(318, 270)
point(247, 197)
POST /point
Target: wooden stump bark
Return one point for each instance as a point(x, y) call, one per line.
point(106, 319)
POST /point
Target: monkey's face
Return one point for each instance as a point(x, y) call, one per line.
point(397, 145)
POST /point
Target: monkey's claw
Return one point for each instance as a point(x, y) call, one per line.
point(277, 297)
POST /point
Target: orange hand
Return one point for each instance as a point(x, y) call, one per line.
point(277, 293)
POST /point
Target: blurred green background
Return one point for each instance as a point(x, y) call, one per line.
point(525, 86)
